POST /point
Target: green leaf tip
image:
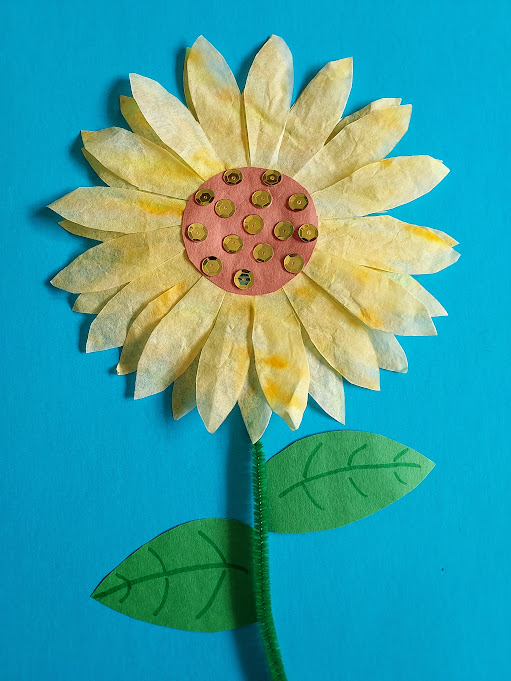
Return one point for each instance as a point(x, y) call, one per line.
point(332, 479)
point(196, 576)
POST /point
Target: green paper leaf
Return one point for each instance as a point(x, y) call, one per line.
point(196, 576)
point(332, 479)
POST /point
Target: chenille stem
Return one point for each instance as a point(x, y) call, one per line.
point(261, 566)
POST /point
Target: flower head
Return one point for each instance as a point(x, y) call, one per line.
point(245, 257)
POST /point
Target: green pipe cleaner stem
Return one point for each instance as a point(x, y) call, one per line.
point(261, 566)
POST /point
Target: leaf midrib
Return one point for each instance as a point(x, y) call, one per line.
point(347, 469)
point(170, 573)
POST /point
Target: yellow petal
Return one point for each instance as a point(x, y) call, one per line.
point(186, 88)
point(326, 383)
point(380, 186)
point(146, 322)
point(255, 410)
point(87, 232)
point(110, 327)
point(106, 175)
point(94, 302)
point(175, 126)
point(389, 353)
point(314, 115)
point(280, 358)
point(178, 338)
point(119, 260)
point(368, 139)
point(119, 210)
point(142, 163)
point(373, 106)
point(445, 237)
point(217, 103)
point(386, 243)
point(135, 119)
point(267, 98)
point(224, 361)
point(184, 391)
point(434, 308)
point(370, 296)
point(338, 336)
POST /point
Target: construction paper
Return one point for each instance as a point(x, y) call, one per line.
point(378, 104)
point(342, 341)
point(292, 332)
point(314, 114)
point(217, 103)
point(110, 327)
point(119, 210)
point(386, 243)
point(370, 138)
point(268, 276)
point(178, 338)
point(380, 186)
point(280, 358)
point(196, 576)
point(224, 361)
point(370, 296)
point(142, 163)
point(175, 126)
point(332, 479)
point(267, 98)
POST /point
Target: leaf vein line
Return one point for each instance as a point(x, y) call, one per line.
point(163, 598)
point(215, 547)
point(356, 487)
point(213, 596)
point(311, 498)
point(158, 557)
point(347, 469)
point(310, 458)
point(170, 573)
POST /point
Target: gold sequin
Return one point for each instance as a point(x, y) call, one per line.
point(271, 177)
point(232, 243)
point(293, 263)
point(197, 231)
point(263, 252)
point(233, 176)
point(283, 230)
point(243, 279)
point(298, 201)
point(253, 224)
point(204, 196)
point(225, 208)
point(211, 266)
point(261, 198)
point(308, 232)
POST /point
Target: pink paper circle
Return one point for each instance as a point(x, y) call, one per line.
point(268, 276)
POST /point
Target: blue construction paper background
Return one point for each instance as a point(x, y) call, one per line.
point(418, 591)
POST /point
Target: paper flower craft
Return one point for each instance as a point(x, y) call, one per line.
point(244, 257)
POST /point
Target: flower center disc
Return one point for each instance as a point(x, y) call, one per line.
point(250, 230)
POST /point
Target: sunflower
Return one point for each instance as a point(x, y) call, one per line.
point(244, 257)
